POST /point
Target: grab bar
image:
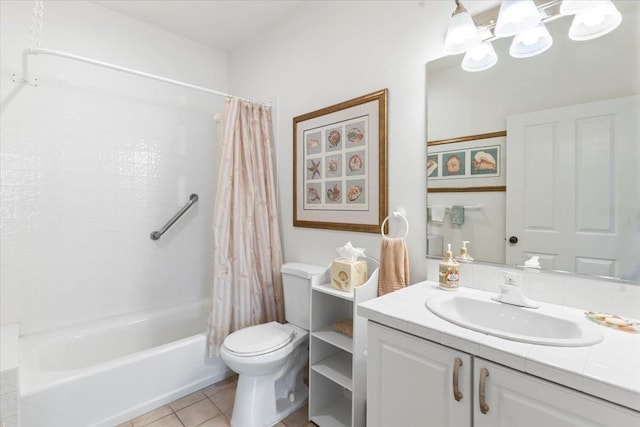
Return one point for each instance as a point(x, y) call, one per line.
point(155, 235)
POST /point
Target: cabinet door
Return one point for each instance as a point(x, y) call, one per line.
point(410, 382)
point(514, 399)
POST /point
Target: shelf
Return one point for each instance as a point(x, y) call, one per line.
point(326, 288)
point(337, 368)
point(338, 339)
point(335, 414)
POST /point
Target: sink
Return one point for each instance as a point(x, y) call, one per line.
point(544, 325)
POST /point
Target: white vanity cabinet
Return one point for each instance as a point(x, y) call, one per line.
point(411, 382)
point(515, 399)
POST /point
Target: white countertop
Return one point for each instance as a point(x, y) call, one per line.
point(609, 370)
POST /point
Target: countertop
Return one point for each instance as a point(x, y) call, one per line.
point(609, 370)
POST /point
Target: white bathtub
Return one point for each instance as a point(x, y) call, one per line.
point(107, 372)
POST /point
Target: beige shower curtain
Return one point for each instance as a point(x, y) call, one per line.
point(246, 288)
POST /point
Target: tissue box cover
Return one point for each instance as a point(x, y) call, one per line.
point(346, 275)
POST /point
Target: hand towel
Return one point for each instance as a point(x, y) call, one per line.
point(394, 265)
point(437, 213)
point(457, 214)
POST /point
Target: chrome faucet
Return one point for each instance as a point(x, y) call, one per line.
point(510, 292)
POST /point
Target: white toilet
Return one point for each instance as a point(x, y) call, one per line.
point(271, 357)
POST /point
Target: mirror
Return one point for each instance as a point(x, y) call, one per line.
point(537, 174)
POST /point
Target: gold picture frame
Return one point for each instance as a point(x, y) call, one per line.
point(340, 165)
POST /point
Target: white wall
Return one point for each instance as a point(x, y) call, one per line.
point(329, 52)
point(94, 160)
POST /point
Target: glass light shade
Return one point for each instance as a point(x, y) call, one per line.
point(595, 22)
point(531, 42)
point(462, 34)
point(480, 58)
point(516, 16)
point(572, 7)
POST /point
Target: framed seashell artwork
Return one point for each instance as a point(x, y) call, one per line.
point(340, 165)
point(467, 163)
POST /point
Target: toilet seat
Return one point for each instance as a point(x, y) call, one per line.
point(259, 339)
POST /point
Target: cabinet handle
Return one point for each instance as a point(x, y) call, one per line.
point(484, 373)
point(456, 373)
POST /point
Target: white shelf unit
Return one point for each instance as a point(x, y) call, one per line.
point(337, 367)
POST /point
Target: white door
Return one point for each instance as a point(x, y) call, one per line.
point(573, 186)
point(410, 382)
point(514, 399)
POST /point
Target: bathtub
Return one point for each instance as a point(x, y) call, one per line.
point(107, 372)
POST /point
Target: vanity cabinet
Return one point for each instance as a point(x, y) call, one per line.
point(412, 382)
point(516, 399)
point(337, 369)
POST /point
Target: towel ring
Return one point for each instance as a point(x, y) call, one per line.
point(396, 213)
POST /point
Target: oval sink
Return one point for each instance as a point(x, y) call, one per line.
point(537, 326)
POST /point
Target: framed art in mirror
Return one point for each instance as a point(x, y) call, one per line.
point(467, 164)
point(340, 165)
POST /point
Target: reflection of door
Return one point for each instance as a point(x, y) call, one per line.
point(572, 186)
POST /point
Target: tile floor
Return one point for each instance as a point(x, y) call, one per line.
point(209, 407)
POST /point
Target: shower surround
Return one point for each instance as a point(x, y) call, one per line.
point(92, 161)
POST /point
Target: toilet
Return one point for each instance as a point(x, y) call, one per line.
point(271, 358)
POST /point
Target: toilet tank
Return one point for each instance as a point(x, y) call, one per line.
point(297, 279)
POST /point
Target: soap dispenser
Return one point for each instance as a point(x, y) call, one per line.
point(449, 272)
point(464, 254)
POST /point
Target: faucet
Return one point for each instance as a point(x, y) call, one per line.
point(510, 292)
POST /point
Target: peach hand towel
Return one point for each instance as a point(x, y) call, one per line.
point(394, 265)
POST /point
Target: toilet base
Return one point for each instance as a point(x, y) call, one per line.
point(265, 400)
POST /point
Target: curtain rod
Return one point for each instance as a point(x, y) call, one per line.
point(41, 51)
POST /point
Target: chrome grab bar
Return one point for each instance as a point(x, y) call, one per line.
point(155, 235)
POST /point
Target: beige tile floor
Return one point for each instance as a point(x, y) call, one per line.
point(210, 407)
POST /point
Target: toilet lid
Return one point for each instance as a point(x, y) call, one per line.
point(259, 339)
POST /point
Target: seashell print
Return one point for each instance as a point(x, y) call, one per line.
point(432, 165)
point(314, 168)
point(483, 161)
point(343, 276)
point(355, 163)
point(333, 194)
point(313, 195)
point(333, 165)
point(313, 143)
point(354, 192)
point(334, 138)
point(354, 135)
point(453, 164)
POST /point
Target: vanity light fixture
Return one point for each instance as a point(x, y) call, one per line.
point(516, 16)
point(531, 42)
point(480, 58)
point(573, 7)
point(462, 34)
point(594, 22)
point(526, 21)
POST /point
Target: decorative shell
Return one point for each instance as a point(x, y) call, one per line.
point(333, 194)
point(355, 163)
point(354, 192)
point(354, 135)
point(334, 138)
point(484, 161)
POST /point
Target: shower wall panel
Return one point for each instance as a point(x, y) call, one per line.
point(88, 171)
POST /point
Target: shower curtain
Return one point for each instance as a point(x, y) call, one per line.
point(246, 287)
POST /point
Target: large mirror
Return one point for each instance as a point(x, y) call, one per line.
point(541, 156)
